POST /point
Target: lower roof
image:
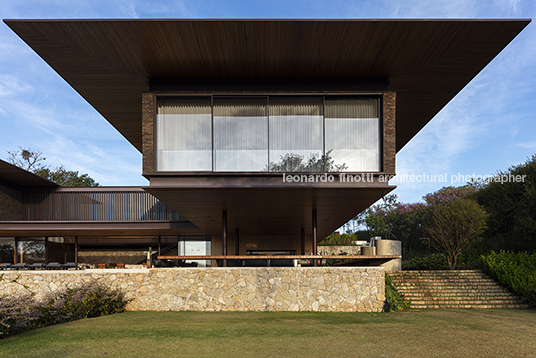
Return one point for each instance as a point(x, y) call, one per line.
point(111, 62)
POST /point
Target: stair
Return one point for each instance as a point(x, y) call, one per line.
point(453, 289)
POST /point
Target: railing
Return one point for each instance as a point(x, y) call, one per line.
point(96, 205)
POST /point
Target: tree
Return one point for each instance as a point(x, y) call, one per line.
point(65, 177)
point(31, 160)
point(510, 200)
point(454, 226)
point(27, 159)
point(395, 220)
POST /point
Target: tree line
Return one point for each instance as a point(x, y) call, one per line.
point(471, 220)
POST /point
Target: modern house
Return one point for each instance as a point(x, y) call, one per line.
point(258, 136)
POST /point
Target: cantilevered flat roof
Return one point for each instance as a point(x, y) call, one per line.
point(18, 178)
point(110, 62)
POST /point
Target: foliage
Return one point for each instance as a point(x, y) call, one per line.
point(294, 163)
point(394, 301)
point(394, 220)
point(454, 226)
point(27, 159)
point(517, 271)
point(336, 239)
point(436, 262)
point(65, 177)
point(466, 261)
point(512, 208)
point(449, 193)
point(22, 311)
point(31, 160)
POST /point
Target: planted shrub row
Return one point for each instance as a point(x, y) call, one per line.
point(517, 271)
point(394, 301)
point(23, 312)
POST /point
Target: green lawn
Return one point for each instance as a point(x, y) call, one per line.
point(425, 333)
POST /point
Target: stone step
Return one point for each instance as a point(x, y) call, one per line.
point(453, 289)
point(470, 288)
point(463, 300)
point(427, 293)
point(423, 306)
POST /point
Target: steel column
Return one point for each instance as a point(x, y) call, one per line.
point(237, 242)
point(302, 241)
point(16, 251)
point(47, 261)
point(314, 235)
point(224, 235)
point(76, 249)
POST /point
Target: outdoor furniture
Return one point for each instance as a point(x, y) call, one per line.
point(21, 266)
point(101, 266)
point(6, 266)
point(70, 265)
point(37, 266)
point(53, 266)
point(120, 265)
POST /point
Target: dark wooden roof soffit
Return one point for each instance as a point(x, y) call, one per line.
point(110, 62)
point(20, 179)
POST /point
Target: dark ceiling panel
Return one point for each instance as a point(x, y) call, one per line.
point(110, 62)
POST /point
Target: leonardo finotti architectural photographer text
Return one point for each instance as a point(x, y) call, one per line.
point(402, 178)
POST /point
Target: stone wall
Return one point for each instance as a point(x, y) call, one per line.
point(338, 289)
point(337, 250)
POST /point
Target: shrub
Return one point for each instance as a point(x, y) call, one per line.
point(517, 271)
point(17, 313)
point(90, 299)
point(394, 301)
point(439, 262)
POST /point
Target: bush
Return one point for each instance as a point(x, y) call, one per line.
point(439, 262)
point(90, 299)
point(394, 301)
point(517, 271)
point(17, 313)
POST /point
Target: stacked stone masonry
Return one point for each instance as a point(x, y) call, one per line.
point(352, 289)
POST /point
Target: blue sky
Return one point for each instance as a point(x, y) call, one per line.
point(488, 126)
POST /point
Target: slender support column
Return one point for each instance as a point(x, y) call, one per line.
point(47, 260)
point(76, 249)
point(237, 243)
point(302, 241)
point(16, 251)
point(314, 235)
point(159, 245)
point(224, 235)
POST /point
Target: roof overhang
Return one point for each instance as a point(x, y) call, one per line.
point(265, 205)
point(18, 178)
point(111, 62)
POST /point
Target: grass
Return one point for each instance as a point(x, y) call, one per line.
point(424, 333)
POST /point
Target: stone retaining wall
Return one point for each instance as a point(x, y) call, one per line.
point(337, 250)
point(340, 289)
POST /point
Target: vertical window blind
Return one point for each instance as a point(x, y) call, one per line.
point(268, 133)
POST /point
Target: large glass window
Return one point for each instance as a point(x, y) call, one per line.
point(296, 139)
point(352, 135)
point(240, 134)
point(184, 134)
point(268, 133)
